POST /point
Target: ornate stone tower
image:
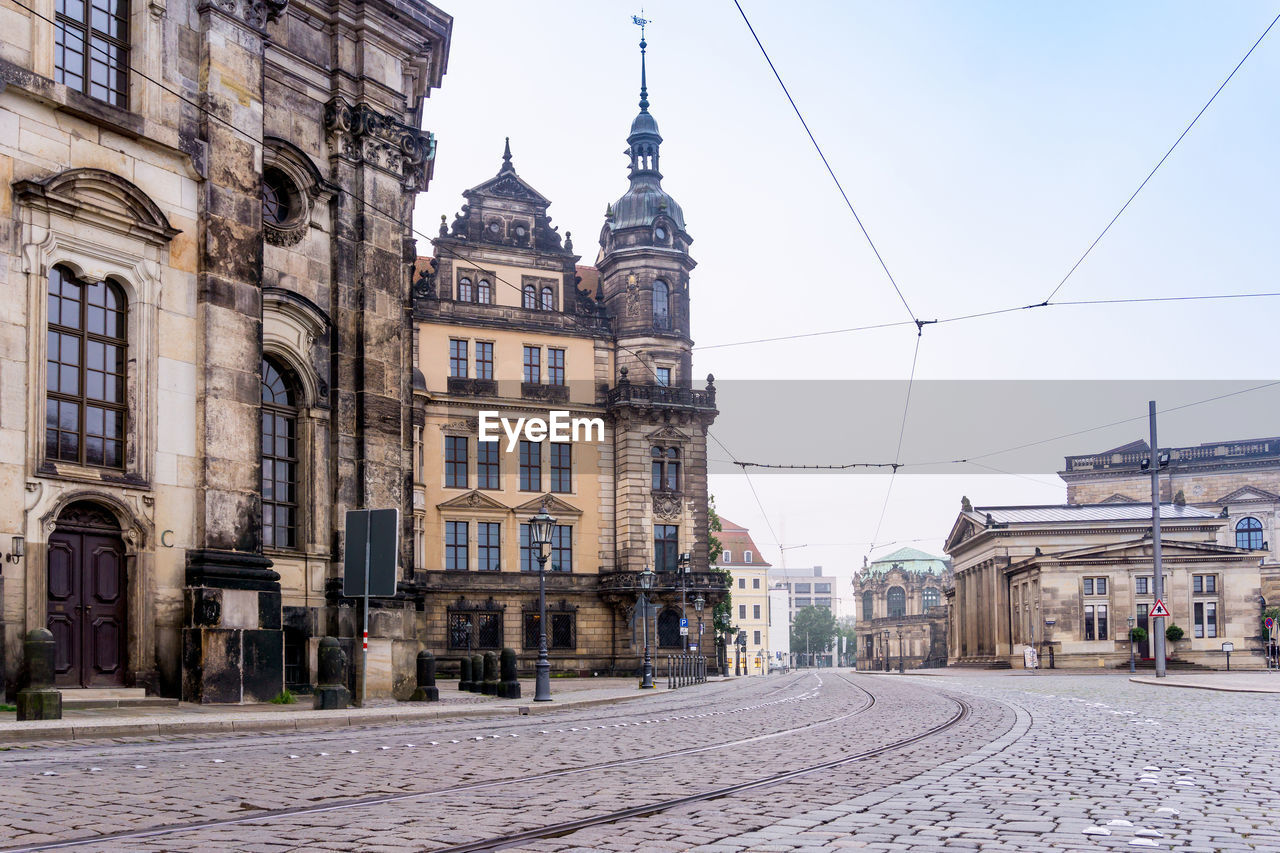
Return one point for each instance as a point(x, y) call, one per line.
point(661, 421)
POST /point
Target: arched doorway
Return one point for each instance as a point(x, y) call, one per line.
point(87, 600)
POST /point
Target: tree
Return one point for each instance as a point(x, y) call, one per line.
point(722, 615)
point(814, 628)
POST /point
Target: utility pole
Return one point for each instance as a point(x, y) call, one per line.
point(1158, 569)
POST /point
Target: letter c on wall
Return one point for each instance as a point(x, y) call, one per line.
point(164, 538)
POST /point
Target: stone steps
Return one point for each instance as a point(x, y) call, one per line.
point(113, 697)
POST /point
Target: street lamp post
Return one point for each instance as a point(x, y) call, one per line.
point(682, 565)
point(541, 526)
point(900, 666)
point(884, 644)
point(1132, 666)
point(808, 656)
point(646, 584)
point(698, 603)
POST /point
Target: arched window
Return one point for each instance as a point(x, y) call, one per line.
point(85, 405)
point(661, 305)
point(465, 292)
point(930, 598)
point(868, 606)
point(548, 299)
point(897, 602)
point(666, 469)
point(669, 629)
point(279, 456)
point(484, 292)
point(1249, 533)
point(530, 296)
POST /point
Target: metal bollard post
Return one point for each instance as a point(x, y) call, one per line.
point(670, 683)
point(490, 685)
point(464, 673)
point(331, 686)
point(477, 673)
point(509, 688)
point(426, 690)
point(38, 699)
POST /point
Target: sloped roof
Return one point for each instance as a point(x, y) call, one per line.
point(1084, 512)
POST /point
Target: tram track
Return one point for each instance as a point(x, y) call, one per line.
point(266, 816)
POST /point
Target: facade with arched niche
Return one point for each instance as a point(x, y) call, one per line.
point(900, 612)
point(204, 356)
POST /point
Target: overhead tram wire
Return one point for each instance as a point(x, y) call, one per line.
point(1151, 174)
point(827, 164)
point(902, 430)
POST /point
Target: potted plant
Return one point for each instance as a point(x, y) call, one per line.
point(1173, 634)
point(1137, 635)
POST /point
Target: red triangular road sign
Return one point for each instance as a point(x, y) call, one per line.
point(1158, 609)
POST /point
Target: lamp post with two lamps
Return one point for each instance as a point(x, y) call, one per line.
point(683, 562)
point(884, 644)
point(900, 665)
point(541, 527)
point(698, 603)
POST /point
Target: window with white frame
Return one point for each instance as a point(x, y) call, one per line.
point(1095, 621)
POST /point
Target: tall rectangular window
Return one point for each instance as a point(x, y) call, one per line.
point(1088, 622)
point(1141, 586)
point(561, 549)
point(484, 360)
point(457, 359)
point(533, 365)
point(562, 467)
point(755, 637)
point(755, 583)
point(1103, 631)
point(455, 546)
point(455, 461)
point(755, 611)
point(487, 465)
point(665, 547)
point(489, 545)
point(742, 611)
point(530, 466)
point(91, 48)
point(555, 366)
point(1205, 618)
point(664, 376)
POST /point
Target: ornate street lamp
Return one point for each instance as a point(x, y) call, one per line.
point(884, 645)
point(698, 603)
point(900, 667)
point(646, 579)
point(541, 527)
point(1132, 666)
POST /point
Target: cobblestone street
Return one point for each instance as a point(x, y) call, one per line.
point(978, 761)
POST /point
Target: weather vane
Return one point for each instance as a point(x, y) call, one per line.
point(640, 21)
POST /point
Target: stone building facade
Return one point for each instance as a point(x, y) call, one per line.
point(900, 612)
point(749, 588)
point(1066, 578)
point(205, 359)
point(507, 323)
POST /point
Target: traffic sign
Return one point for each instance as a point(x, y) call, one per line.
point(684, 623)
point(1269, 622)
point(684, 630)
point(693, 647)
point(1158, 609)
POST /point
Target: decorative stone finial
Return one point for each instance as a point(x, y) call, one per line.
point(965, 506)
point(568, 241)
point(444, 228)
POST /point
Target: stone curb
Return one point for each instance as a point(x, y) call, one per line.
point(1224, 688)
point(42, 730)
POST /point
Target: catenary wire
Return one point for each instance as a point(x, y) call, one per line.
point(825, 162)
point(1151, 174)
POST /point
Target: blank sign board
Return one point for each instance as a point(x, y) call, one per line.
point(375, 533)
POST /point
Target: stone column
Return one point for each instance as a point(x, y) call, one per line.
point(233, 646)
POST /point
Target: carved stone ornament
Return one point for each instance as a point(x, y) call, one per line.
point(633, 295)
point(362, 134)
point(666, 505)
point(284, 236)
point(255, 13)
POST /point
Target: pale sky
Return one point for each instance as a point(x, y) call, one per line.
point(984, 145)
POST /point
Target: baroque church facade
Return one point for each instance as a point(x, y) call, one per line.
point(507, 322)
point(206, 262)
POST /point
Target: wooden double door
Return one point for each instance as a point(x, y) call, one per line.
point(87, 596)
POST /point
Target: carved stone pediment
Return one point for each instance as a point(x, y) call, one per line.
point(463, 426)
point(255, 13)
point(473, 500)
point(555, 506)
point(668, 434)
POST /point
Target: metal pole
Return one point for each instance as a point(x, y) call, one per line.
point(1158, 566)
point(646, 674)
point(542, 682)
point(364, 654)
point(1133, 667)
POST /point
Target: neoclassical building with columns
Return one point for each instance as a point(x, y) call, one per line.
point(205, 353)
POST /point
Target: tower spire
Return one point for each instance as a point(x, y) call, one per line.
point(641, 22)
point(506, 158)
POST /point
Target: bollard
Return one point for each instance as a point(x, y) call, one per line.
point(464, 674)
point(509, 688)
point(427, 690)
point(490, 686)
point(38, 699)
point(331, 689)
point(477, 673)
